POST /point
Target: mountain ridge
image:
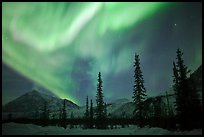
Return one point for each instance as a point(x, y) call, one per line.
point(34, 100)
point(117, 108)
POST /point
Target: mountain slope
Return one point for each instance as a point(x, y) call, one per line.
point(165, 101)
point(29, 103)
point(197, 79)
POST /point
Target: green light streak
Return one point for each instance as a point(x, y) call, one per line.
point(120, 15)
point(34, 36)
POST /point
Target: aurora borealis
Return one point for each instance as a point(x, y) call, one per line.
point(63, 46)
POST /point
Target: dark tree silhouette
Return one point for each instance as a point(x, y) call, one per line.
point(91, 115)
point(72, 118)
point(36, 114)
point(187, 101)
point(45, 114)
point(60, 113)
point(53, 116)
point(99, 104)
point(170, 116)
point(10, 116)
point(64, 115)
point(139, 93)
point(87, 108)
point(157, 111)
point(86, 114)
point(169, 112)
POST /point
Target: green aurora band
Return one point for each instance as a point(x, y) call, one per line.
point(42, 40)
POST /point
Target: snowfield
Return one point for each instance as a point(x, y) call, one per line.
point(30, 129)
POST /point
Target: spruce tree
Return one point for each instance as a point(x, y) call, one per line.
point(64, 115)
point(99, 104)
point(60, 113)
point(45, 114)
point(87, 108)
point(72, 119)
point(86, 114)
point(157, 111)
point(45, 111)
point(91, 114)
point(9, 116)
point(170, 117)
point(139, 93)
point(187, 102)
point(36, 114)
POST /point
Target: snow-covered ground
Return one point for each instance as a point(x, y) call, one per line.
point(30, 129)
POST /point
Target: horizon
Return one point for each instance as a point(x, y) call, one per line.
point(46, 92)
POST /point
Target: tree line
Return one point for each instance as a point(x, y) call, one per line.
point(188, 113)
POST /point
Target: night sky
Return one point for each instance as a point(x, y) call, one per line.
point(61, 47)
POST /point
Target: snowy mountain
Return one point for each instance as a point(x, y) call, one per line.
point(197, 78)
point(126, 109)
point(119, 101)
point(165, 100)
point(115, 108)
point(120, 110)
point(27, 104)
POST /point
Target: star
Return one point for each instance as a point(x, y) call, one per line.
point(175, 24)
